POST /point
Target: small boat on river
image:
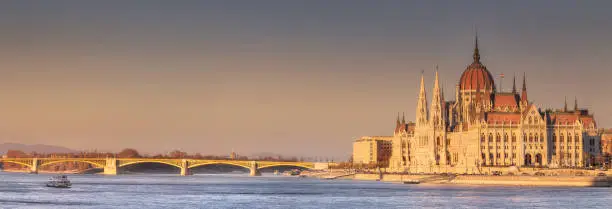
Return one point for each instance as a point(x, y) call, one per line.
point(411, 181)
point(59, 182)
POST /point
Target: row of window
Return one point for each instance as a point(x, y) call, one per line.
point(566, 154)
point(497, 155)
point(562, 147)
point(561, 138)
point(498, 147)
point(528, 138)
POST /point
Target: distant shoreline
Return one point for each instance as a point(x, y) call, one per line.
point(563, 181)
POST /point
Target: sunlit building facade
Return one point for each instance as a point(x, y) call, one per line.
point(486, 127)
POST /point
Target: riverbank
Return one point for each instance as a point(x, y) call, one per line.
point(573, 181)
point(508, 180)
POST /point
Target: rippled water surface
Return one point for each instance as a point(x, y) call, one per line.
point(240, 191)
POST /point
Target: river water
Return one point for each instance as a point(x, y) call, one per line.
point(240, 191)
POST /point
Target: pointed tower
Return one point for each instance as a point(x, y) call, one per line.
point(397, 124)
point(576, 104)
point(403, 119)
point(476, 51)
point(398, 120)
point(421, 111)
point(565, 105)
point(436, 117)
point(514, 85)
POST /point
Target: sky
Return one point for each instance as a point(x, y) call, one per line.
point(297, 78)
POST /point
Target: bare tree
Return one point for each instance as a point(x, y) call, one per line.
point(128, 153)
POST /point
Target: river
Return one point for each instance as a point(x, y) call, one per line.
point(18, 190)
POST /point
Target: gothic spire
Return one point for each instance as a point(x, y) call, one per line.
point(575, 104)
point(476, 52)
point(422, 112)
point(398, 120)
point(565, 106)
point(524, 82)
point(514, 84)
point(403, 118)
point(437, 104)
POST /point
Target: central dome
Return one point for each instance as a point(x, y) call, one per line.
point(476, 75)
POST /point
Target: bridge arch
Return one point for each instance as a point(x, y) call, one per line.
point(219, 163)
point(286, 164)
point(17, 162)
point(94, 163)
point(148, 161)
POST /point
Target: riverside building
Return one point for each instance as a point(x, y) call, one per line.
point(483, 127)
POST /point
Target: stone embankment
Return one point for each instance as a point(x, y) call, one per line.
point(577, 181)
point(329, 174)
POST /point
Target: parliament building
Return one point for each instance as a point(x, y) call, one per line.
point(483, 127)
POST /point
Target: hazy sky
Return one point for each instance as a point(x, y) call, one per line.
point(291, 77)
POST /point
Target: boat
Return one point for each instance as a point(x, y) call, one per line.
point(276, 172)
point(412, 181)
point(59, 182)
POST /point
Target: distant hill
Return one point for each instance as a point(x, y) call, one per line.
point(39, 148)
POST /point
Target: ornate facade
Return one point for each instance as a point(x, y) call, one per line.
point(485, 127)
point(606, 142)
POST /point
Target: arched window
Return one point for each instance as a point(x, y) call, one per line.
point(535, 138)
point(524, 137)
point(577, 138)
point(554, 137)
point(569, 138)
point(490, 137)
point(484, 159)
point(498, 138)
point(542, 138)
point(482, 138)
point(530, 137)
point(530, 120)
point(505, 137)
point(438, 142)
point(561, 138)
point(513, 137)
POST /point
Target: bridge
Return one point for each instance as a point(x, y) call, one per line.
point(111, 166)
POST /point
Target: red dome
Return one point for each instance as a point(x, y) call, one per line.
point(476, 76)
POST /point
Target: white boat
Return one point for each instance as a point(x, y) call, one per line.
point(59, 182)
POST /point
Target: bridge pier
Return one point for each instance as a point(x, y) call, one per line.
point(111, 166)
point(254, 170)
point(185, 168)
point(34, 168)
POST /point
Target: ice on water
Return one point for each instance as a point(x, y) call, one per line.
point(241, 191)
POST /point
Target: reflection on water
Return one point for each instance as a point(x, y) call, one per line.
point(241, 191)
